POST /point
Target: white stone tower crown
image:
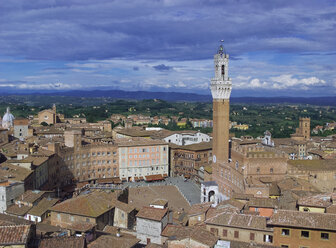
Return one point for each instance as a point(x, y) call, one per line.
point(221, 84)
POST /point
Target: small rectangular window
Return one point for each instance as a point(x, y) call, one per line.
point(325, 236)
point(284, 246)
point(285, 232)
point(252, 236)
point(304, 234)
point(224, 233)
point(236, 234)
point(268, 238)
point(214, 231)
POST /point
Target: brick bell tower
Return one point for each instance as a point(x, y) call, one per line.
point(221, 86)
point(226, 177)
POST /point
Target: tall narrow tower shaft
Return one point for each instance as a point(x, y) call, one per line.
point(221, 90)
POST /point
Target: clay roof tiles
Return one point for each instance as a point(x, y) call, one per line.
point(240, 221)
point(14, 235)
point(92, 205)
point(263, 202)
point(18, 210)
point(14, 172)
point(43, 206)
point(201, 208)
point(321, 221)
point(31, 196)
point(112, 241)
point(69, 242)
point(151, 213)
point(198, 234)
point(320, 200)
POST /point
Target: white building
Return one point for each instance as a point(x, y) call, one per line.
point(187, 138)
point(141, 158)
point(267, 140)
point(8, 192)
point(8, 119)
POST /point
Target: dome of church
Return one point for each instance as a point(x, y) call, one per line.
point(8, 119)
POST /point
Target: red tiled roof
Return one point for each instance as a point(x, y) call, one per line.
point(201, 208)
point(79, 226)
point(198, 234)
point(14, 235)
point(321, 221)
point(112, 241)
point(154, 178)
point(92, 205)
point(151, 213)
point(71, 242)
point(18, 210)
point(240, 221)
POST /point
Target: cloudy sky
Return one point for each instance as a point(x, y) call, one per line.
point(277, 48)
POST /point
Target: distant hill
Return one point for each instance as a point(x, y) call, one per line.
point(137, 95)
point(180, 96)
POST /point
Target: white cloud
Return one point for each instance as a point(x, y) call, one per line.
point(42, 86)
point(285, 81)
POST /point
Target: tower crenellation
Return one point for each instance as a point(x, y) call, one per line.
point(221, 84)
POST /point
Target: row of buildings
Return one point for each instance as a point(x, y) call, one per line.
point(130, 187)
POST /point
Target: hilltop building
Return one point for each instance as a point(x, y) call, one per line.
point(50, 116)
point(303, 132)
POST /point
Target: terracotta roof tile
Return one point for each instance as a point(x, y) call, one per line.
point(93, 204)
point(307, 220)
point(14, 235)
point(194, 147)
point(43, 206)
point(240, 221)
point(201, 208)
point(320, 200)
point(231, 202)
point(314, 165)
point(112, 241)
point(69, 242)
point(31, 196)
point(14, 172)
point(152, 213)
point(18, 210)
point(263, 202)
point(198, 234)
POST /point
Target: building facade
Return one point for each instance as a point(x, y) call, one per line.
point(187, 138)
point(303, 229)
point(8, 192)
point(141, 158)
point(188, 160)
point(21, 128)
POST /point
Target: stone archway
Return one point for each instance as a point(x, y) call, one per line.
point(211, 196)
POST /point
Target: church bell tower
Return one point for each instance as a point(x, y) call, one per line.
point(221, 86)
